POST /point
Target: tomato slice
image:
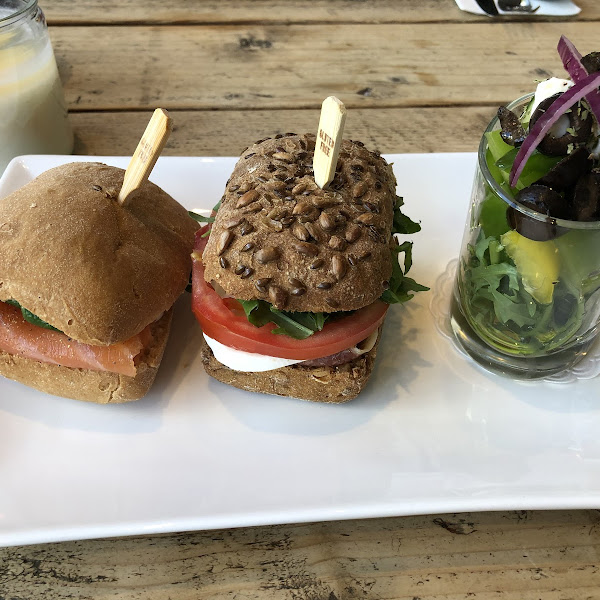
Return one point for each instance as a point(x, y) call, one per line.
point(221, 320)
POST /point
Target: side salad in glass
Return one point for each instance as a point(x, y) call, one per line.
point(527, 293)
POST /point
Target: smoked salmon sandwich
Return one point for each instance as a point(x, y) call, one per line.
point(87, 284)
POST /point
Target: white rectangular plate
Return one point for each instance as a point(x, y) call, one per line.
point(431, 433)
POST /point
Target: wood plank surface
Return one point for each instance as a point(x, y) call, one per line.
point(525, 555)
point(417, 76)
point(227, 133)
point(285, 67)
point(280, 11)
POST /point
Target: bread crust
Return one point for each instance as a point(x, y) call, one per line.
point(278, 237)
point(333, 385)
point(97, 271)
point(91, 386)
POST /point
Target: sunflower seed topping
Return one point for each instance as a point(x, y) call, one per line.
point(231, 223)
point(277, 296)
point(359, 189)
point(284, 156)
point(301, 232)
point(302, 208)
point(247, 198)
point(224, 240)
point(352, 233)
point(267, 255)
point(339, 266)
point(337, 243)
point(366, 218)
point(299, 188)
point(252, 208)
point(299, 291)
point(305, 248)
point(326, 222)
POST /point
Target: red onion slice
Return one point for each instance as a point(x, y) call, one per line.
point(581, 89)
point(571, 60)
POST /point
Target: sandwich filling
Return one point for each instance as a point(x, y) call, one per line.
point(253, 362)
point(20, 337)
point(243, 346)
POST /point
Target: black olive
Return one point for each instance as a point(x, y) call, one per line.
point(580, 128)
point(564, 307)
point(566, 172)
point(543, 200)
point(512, 131)
point(586, 199)
point(591, 62)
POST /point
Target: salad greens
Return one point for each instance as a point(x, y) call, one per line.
point(507, 315)
point(30, 317)
point(524, 297)
point(298, 325)
point(400, 284)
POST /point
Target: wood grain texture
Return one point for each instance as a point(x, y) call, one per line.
point(281, 11)
point(275, 67)
point(524, 555)
point(417, 76)
point(227, 133)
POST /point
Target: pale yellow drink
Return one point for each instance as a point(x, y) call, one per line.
point(33, 115)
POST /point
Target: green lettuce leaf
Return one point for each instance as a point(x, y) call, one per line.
point(298, 325)
point(30, 317)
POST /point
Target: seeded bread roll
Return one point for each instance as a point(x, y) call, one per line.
point(317, 384)
point(278, 237)
point(98, 271)
point(91, 386)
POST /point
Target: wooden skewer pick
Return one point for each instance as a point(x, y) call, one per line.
point(329, 140)
point(147, 152)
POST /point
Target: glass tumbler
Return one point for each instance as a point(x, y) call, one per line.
point(34, 115)
point(526, 299)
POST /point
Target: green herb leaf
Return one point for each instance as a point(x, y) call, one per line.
point(402, 223)
point(298, 325)
point(200, 218)
point(401, 286)
point(30, 317)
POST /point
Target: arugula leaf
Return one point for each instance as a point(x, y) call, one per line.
point(401, 286)
point(203, 219)
point(30, 317)
point(298, 325)
point(506, 314)
point(200, 218)
point(402, 223)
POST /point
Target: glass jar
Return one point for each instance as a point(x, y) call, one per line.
point(34, 115)
point(526, 300)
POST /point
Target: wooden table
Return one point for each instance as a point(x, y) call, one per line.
point(417, 76)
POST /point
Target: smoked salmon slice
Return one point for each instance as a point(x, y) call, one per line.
point(21, 338)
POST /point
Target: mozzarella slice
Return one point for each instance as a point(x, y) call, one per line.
point(251, 362)
point(548, 88)
point(238, 360)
